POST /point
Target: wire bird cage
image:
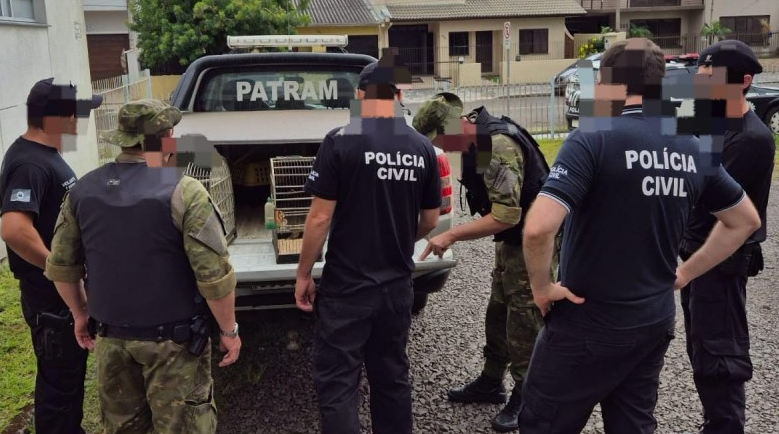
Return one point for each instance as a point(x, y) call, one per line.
point(292, 203)
point(218, 182)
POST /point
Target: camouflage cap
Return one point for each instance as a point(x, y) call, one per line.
point(436, 112)
point(139, 118)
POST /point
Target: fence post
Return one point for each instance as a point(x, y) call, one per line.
point(552, 108)
point(126, 88)
point(147, 73)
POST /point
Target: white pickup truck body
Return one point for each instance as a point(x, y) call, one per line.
point(214, 95)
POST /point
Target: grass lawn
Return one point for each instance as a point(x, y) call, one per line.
point(16, 354)
point(550, 147)
point(18, 361)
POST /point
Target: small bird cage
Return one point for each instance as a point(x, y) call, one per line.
point(292, 204)
point(218, 182)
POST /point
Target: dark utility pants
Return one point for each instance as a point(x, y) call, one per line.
point(573, 370)
point(61, 366)
point(371, 328)
point(715, 322)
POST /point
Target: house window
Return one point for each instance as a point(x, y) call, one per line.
point(534, 41)
point(665, 32)
point(458, 43)
point(17, 9)
point(752, 30)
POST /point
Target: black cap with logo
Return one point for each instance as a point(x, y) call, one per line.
point(732, 54)
point(49, 99)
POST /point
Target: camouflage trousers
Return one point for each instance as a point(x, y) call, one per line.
point(513, 320)
point(157, 387)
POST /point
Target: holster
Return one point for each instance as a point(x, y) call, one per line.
point(475, 190)
point(52, 329)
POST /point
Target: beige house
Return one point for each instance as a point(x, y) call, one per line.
point(460, 41)
point(676, 24)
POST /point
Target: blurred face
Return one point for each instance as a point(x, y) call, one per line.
point(162, 158)
point(60, 125)
point(714, 81)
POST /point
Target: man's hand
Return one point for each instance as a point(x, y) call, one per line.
point(681, 279)
point(437, 245)
point(233, 348)
point(305, 293)
point(544, 297)
point(81, 330)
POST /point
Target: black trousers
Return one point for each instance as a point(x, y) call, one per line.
point(715, 323)
point(573, 370)
point(371, 328)
point(61, 370)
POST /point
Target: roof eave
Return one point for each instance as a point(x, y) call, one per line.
point(494, 17)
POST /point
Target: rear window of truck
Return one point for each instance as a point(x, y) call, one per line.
point(251, 89)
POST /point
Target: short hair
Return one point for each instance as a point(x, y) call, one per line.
point(381, 91)
point(34, 120)
point(736, 76)
point(637, 63)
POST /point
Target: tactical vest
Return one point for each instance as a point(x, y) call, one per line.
point(137, 272)
point(536, 170)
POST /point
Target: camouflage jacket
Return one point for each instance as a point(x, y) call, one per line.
point(193, 213)
point(503, 178)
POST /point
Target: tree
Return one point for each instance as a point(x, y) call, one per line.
point(714, 30)
point(184, 30)
point(639, 32)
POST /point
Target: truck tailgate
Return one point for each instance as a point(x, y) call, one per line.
point(255, 261)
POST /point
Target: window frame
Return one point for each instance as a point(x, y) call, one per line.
point(459, 50)
point(664, 41)
point(10, 15)
point(750, 38)
point(523, 47)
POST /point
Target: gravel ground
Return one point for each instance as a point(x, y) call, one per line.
point(271, 388)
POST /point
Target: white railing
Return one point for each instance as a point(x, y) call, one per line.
point(116, 91)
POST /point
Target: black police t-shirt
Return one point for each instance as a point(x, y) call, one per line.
point(629, 191)
point(382, 173)
point(748, 156)
point(34, 179)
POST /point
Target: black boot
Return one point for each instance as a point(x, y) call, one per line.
point(506, 420)
point(483, 389)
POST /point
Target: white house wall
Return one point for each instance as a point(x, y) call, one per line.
point(32, 52)
point(106, 23)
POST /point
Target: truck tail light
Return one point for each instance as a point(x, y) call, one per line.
point(445, 172)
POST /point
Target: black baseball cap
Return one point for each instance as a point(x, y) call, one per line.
point(732, 54)
point(49, 99)
point(389, 70)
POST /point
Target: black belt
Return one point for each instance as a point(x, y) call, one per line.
point(177, 332)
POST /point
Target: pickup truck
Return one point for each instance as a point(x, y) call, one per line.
point(257, 106)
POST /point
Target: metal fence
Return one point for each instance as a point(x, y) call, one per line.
point(539, 107)
point(763, 44)
point(116, 91)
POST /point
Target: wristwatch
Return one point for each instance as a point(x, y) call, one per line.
point(232, 334)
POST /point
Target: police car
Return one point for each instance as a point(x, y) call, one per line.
point(257, 106)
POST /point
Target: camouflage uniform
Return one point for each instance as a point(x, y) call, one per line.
point(148, 386)
point(512, 319)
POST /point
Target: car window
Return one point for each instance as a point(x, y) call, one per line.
point(253, 88)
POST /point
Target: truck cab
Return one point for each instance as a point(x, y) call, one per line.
point(266, 114)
